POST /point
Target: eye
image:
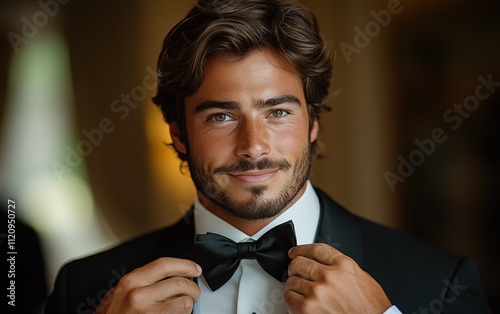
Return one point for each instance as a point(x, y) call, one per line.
point(279, 113)
point(219, 117)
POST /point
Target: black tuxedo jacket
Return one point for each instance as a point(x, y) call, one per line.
point(416, 277)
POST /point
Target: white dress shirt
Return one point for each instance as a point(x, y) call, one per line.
point(251, 289)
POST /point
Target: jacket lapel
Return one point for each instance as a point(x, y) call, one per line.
point(339, 228)
point(181, 235)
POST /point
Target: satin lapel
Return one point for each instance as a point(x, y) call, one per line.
point(189, 218)
point(339, 228)
point(186, 238)
point(189, 221)
point(182, 237)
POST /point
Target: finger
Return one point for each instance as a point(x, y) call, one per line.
point(304, 267)
point(300, 285)
point(171, 288)
point(320, 252)
point(181, 305)
point(295, 302)
point(159, 269)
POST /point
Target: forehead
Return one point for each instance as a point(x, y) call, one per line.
point(260, 74)
point(255, 57)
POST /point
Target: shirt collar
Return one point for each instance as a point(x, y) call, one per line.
point(304, 213)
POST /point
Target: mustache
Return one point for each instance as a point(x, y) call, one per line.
point(245, 165)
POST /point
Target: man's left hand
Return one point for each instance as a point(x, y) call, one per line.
point(323, 280)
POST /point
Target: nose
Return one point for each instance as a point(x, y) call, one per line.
point(253, 139)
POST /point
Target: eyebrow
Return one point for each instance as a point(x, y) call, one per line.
point(234, 105)
point(212, 104)
point(279, 101)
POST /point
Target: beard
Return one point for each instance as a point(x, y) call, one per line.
point(258, 206)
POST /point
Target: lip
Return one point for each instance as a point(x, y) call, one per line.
point(254, 176)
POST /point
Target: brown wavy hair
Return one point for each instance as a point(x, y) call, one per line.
point(237, 27)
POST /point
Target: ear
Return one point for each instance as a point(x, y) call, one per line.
point(314, 130)
point(175, 134)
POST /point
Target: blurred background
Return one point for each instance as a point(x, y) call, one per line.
point(411, 142)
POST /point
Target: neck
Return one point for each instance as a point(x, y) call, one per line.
point(249, 227)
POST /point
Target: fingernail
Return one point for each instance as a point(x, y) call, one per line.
point(199, 268)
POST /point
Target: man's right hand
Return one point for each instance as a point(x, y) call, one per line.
point(162, 286)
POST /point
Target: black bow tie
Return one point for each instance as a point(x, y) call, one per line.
point(219, 257)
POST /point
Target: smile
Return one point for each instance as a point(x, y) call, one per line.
point(256, 176)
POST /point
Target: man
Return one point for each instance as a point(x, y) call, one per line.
point(242, 85)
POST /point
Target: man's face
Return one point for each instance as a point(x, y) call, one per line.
point(248, 135)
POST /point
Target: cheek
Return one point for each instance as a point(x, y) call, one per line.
point(210, 148)
point(291, 142)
